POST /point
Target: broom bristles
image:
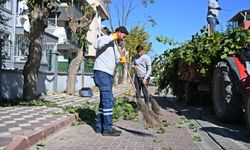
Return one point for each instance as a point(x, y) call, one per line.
point(155, 106)
point(149, 116)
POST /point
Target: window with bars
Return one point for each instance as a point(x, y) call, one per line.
point(22, 50)
point(6, 47)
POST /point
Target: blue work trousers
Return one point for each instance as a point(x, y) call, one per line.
point(212, 22)
point(141, 87)
point(104, 82)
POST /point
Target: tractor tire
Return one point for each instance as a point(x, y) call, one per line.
point(247, 111)
point(190, 95)
point(226, 94)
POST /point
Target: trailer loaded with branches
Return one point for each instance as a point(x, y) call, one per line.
point(214, 67)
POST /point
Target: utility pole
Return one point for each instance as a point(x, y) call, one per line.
point(55, 67)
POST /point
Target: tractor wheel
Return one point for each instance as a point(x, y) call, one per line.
point(226, 94)
point(190, 93)
point(247, 111)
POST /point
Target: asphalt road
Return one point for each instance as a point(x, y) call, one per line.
point(215, 134)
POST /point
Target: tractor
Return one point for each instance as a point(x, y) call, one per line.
point(231, 87)
point(231, 80)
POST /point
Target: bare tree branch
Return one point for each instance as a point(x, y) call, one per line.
point(118, 13)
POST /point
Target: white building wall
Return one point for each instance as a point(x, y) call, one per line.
point(95, 28)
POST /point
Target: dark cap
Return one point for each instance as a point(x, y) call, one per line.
point(122, 29)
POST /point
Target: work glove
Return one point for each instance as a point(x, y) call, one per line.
point(115, 36)
point(123, 59)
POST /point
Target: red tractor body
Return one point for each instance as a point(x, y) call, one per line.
point(243, 74)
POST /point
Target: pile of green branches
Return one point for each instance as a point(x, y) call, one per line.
point(202, 52)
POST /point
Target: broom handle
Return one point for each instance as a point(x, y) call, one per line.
point(120, 52)
point(126, 68)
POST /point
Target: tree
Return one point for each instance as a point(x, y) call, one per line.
point(79, 28)
point(2, 16)
point(3, 20)
point(124, 9)
point(39, 12)
point(138, 35)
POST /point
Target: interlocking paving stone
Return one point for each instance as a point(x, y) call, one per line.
point(134, 136)
point(20, 119)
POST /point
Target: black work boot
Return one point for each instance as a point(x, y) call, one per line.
point(97, 131)
point(113, 132)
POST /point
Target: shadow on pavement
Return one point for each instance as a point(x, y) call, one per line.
point(135, 132)
point(229, 133)
point(203, 112)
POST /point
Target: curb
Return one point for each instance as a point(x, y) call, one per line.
point(21, 140)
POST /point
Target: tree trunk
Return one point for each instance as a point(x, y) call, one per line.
point(72, 72)
point(1, 46)
point(1, 63)
point(31, 67)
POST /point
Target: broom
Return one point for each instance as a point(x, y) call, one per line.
point(154, 105)
point(151, 118)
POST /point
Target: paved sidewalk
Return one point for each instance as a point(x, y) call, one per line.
point(21, 127)
point(134, 137)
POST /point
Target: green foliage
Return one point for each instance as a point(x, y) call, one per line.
point(165, 40)
point(147, 2)
point(138, 35)
point(184, 121)
point(31, 4)
point(125, 109)
point(77, 122)
point(82, 25)
point(40, 145)
point(157, 140)
point(199, 54)
point(197, 138)
point(193, 127)
point(38, 103)
point(6, 103)
point(152, 21)
point(166, 123)
point(44, 4)
point(167, 148)
point(88, 111)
